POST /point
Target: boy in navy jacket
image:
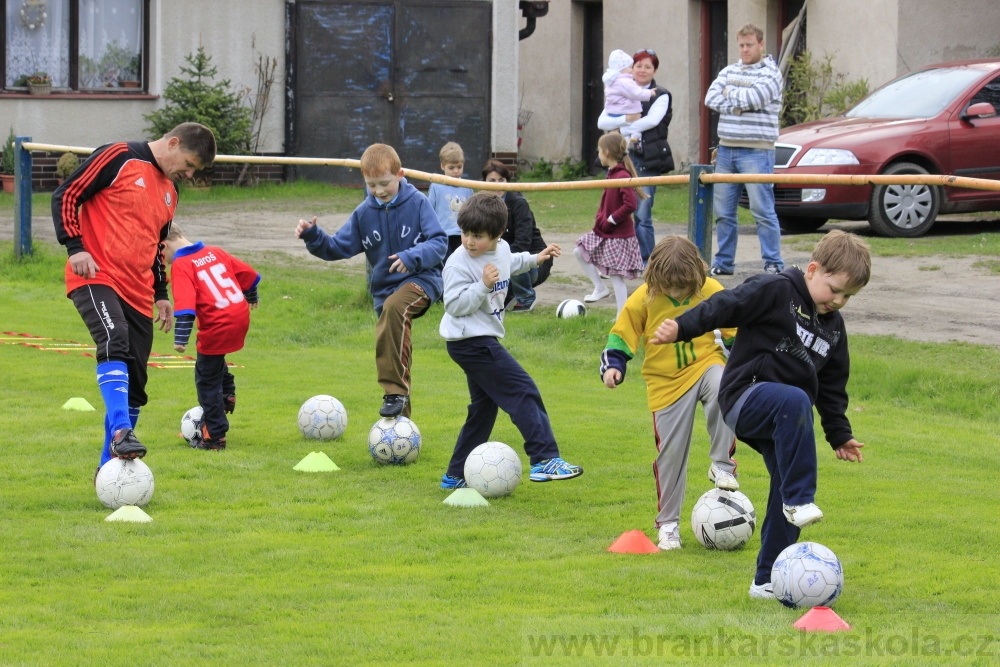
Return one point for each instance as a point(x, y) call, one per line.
point(397, 229)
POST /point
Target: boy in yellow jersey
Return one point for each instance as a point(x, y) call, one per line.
point(678, 377)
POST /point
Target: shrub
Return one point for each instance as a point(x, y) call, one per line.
point(814, 91)
point(216, 105)
point(7, 159)
point(67, 164)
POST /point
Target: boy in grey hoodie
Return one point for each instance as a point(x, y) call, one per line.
point(476, 279)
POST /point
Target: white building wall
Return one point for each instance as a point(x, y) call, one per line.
point(503, 109)
point(861, 35)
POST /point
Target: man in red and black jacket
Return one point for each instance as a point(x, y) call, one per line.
point(112, 214)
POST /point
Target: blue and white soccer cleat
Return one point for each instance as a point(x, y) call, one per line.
point(448, 482)
point(553, 469)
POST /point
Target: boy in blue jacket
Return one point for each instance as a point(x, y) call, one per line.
point(398, 231)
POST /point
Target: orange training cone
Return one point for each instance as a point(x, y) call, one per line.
point(821, 619)
point(633, 542)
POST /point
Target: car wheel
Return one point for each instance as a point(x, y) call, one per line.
point(795, 225)
point(904, 210)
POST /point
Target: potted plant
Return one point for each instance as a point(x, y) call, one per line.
point(39, 83)
point(7, 164)
point(67, 164)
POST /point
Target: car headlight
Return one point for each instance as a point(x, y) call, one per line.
point(822, 157)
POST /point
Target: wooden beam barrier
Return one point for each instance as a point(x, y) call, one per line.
point(857, 179)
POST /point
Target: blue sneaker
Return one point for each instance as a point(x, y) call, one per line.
point(552, 469)
point(448, 482)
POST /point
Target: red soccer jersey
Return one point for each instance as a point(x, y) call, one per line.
point(209, 283)
point(118, 208)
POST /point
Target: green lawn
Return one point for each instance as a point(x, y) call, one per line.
point(250, 562)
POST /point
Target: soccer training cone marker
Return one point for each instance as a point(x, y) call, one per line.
point(633, 542)
point(821, 619)
point(77, 403)
point(129, 513)
point(466, 498)
point(316, 462)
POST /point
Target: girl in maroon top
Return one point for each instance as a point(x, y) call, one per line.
point(611, 248)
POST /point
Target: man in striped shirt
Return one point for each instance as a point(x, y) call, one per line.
point(747, 95)
point(113, 214)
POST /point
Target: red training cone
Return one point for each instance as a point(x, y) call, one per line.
point(821, 619)
point(633, 542)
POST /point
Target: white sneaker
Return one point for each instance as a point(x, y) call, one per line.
point(597, 295)
point(802, 515)
point(723, 480)
point(761, 592)
point(670, 537)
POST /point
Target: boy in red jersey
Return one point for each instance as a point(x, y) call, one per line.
point(112, 215)
point(218, 289)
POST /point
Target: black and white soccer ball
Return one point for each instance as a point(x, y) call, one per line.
point(570, 308)
point(191, 422)
point(723, 520)
point(394, 440)
point(323, 417)
point(807, 574)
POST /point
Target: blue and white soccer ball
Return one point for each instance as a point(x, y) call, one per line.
point(570, 308)
point(123, 482)
point(807, 574)
point(723, 520)
point(394, 440)
point(191, 422)
point(322, 417)
point(493, 469)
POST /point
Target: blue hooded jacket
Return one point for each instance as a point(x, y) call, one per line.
point(407, 227)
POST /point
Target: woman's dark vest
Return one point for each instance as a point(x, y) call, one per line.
point(656, 155)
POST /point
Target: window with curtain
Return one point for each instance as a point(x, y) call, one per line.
point(86, 45)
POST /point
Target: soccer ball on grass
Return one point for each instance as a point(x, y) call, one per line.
point(493, 469)
point(394, 440)
point(570, 308)
point(807, 574)
point(723, 520)
point(323, 418)
point(191, 422)
point(123, 482)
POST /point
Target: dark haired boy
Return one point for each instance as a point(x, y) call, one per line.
point(476, 279)
point(790, 353)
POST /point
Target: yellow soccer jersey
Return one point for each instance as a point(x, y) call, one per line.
point(669, 370)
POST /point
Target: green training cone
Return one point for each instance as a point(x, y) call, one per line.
point(466, 498)
point(129, 513)
point(77, 403)
point(316, 462)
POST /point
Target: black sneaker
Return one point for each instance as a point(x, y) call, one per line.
point(773, 269)
point(716, 271)
point(201, 440)
point(392, 405)
point(521, 308)
point(229, 403)
point(124, 445)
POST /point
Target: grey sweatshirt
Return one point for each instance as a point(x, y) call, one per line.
point(470, 307)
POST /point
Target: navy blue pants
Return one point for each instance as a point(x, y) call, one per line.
point(777, 421)
point(212, 380)
point(496, 380)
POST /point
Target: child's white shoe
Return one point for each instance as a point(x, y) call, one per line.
point(801, 516)
point(670, 537)
point(723, 480)
point(597, 295)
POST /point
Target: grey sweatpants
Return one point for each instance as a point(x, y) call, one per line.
point(672, 426)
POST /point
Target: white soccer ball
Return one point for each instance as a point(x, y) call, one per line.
point(723, 520)
point(124, 482)
point(570, 308)
point(191, 422)
point(493, 469)
point(323, 418)
point(394, 440)
point(807, 574)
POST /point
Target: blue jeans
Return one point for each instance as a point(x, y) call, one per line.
point(727, 196)
point(521, 286)
point(777, 421)
point(644, 212)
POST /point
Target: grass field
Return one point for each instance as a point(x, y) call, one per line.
point(248, 561)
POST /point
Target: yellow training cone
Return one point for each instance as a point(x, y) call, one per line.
point(316, 462)
point(78, 403)
point(129, 513)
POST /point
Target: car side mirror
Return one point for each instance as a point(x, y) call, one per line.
point(979, 110)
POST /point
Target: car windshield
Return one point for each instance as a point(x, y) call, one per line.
point(919, 95)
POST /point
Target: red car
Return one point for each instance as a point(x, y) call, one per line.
point(940, 119)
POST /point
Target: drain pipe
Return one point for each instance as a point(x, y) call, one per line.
point(531, 10)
